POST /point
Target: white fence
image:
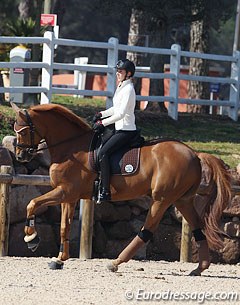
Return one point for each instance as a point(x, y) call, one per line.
point(113, 47)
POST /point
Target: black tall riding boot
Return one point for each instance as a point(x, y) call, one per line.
point(105, 194)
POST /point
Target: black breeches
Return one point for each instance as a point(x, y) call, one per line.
point(120, 139)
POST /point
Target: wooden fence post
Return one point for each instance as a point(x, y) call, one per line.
point(87, 229)
point(4, 212)
point(186, 244)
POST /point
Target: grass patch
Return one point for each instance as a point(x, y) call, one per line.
point(212, 134)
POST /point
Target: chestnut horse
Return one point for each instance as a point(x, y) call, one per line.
point(169, 172)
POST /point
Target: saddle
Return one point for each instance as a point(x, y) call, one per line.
point(123, 162)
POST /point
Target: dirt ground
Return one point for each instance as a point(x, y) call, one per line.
point(29, 281)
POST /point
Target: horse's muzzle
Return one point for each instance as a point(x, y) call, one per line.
point(24, 155)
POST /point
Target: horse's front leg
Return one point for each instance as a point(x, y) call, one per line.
point(154, 216)
point(66, 221)
point(53, 197)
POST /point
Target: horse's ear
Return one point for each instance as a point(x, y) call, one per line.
point(19, 112)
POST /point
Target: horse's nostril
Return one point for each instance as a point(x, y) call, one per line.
point(19, 158)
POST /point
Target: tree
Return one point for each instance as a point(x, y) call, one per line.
point(59, 8)
point(27, 10)
point(137, 37)
point(205, 15)
point(159, 21)
point(8, 10)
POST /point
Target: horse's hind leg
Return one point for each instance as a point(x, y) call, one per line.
point(66, 221)
point(154, 216)
point(189, 213)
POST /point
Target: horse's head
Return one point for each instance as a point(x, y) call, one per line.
point(27, 136)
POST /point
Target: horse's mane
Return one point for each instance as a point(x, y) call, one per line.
point(68, 114)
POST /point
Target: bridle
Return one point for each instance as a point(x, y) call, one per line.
point(32, 148)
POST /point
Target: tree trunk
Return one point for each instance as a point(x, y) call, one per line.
point(157, 66)
point(36, 52)
point(59, 8)
point(157, 85)
point(137, 37)
point(2, 99)
point(26, 9)
point(199, 43)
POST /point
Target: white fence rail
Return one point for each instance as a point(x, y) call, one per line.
point(113, 47)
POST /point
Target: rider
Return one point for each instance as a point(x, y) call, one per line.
point(122, 114)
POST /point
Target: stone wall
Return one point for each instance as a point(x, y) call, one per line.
point(115, 223)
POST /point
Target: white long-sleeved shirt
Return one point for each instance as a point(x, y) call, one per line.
point(122, 111)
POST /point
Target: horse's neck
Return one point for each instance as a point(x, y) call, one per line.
point(64, 145)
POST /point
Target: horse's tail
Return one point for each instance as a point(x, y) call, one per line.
point(220, 197)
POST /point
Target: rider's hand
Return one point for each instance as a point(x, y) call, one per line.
point(97, 117)
point(98, 126)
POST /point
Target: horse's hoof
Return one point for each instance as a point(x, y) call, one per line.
point(112, 267)
point(56, 264)
point(33, 244)
point(195, 272)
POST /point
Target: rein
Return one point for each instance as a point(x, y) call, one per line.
point(56, 144)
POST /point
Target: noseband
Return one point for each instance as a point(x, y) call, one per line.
point(32, 148)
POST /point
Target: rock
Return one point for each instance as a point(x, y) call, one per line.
point(47, 247)
point(19, 198)
point(165, 244)
point(231, 251)
point(135, 211)
point(232, 228)
point(119, 230)
point(20, 169)
point(99, 239)
point(143, 203)
point(230, 254)
point(32, 165)
point(234, 208)
point(108, 212)
point(136, 225)
point(235, 175)
point(115, 247)
point(9, 142)
point(53, 214)
point(5, 157)
point(74, 239)
point(45, 172)
point(235, 218)
point(43, 156)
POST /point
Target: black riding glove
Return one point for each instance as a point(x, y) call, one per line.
point(97, 117)
point(98, 127)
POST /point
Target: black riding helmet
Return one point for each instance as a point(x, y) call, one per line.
point(126, 64)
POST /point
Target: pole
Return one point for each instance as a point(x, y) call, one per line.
point(186, 244)
point(87, 229)
point(47, 6)
point(236, 43)
point(4, 212)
